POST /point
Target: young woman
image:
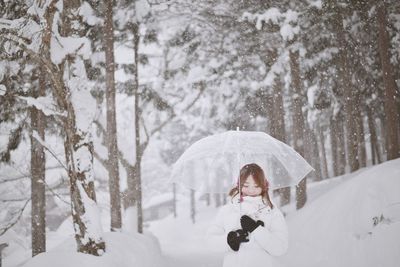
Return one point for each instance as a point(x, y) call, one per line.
point(255, 230)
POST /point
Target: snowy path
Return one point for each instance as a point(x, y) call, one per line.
point(189, 253)
point(192, 259)
point(183, 243)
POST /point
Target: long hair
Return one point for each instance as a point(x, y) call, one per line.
point(259, 178)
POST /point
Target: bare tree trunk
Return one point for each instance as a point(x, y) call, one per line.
point(112, 141)
point(277, 117)
point(390, 95)
point(341, 146)
point(208, 199)
point(218, 201)
point(38, 172)
point(316, 159)
point(309, 155)
point(375, 151)
point(298, 123)
point(301, 193)
point(359, 124)
point(278, 113)
point(174, 202)
point(133, 198)
point(362, 154)
point(334, 141)
point(383, 136)
point(192, 206)
point(308, 146)
point(322, 152)
point(138, 179)
point(345, 84)
point(138, 188)
point(129, 198)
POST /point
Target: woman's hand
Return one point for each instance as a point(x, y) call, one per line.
point(248, 224)
point(234, 238)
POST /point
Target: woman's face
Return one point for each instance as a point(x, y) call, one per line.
point(250, 188)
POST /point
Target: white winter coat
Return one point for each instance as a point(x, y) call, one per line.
point(265, 242)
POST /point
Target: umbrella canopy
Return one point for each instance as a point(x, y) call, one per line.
point(212, 164)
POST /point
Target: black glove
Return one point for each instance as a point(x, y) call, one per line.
point(248, 224)
point(234, 238)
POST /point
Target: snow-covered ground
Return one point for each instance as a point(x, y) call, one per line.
point(356, 223)
point(123, 250)
point(352, 220)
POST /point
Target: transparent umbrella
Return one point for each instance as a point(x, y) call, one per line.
point(212, 164)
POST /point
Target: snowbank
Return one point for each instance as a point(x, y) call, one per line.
point(122, 250)
point(354, 224)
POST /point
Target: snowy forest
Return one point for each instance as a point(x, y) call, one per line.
point(98, 100)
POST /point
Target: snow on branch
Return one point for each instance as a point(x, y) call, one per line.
point(23, 43)
point(287, 21)
point(325, 55)
point(45, 104)
point(88, 15)
point(11, 35)
point(272, 15)
point(276, 69)
point(38, 8)
point(3, 90)
point(60, 46)
point(26, 29)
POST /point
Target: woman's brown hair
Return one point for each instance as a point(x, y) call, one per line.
point(260, 179)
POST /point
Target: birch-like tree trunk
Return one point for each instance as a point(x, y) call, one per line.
point(390, 94)
point(112, 142)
